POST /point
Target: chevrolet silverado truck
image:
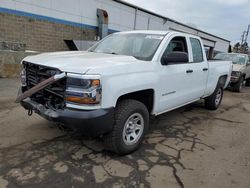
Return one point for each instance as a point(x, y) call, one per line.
point(241, 69)
point(111, 90)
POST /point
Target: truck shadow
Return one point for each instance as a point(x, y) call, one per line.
point(72, 160)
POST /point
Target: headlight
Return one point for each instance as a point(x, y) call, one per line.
point(83, 89)
point(23, 77)
point(236, 73)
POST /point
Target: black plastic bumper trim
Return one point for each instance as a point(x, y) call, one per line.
point(89, 122)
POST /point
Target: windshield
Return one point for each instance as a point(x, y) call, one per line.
point(235, 58)
point(140, 46)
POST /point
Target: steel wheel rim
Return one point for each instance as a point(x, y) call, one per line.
point(218, 97)
point(133, 129)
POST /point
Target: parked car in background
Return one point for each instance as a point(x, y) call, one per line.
point(241, 69)
point(112, 89)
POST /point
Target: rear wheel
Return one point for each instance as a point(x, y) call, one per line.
point(247, 82)
point(238, 86)
point(213, 101)
point(131, 124)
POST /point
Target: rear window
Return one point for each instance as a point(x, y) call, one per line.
point(239, 59)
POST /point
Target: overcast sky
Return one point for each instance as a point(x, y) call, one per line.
point(225, 18)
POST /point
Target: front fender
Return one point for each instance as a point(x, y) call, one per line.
point(119, 85)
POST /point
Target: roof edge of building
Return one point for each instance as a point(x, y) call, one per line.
point(164, 17)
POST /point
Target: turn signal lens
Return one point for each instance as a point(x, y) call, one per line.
point(80, 100)
point(95, 82)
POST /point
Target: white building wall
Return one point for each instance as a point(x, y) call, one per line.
point(121, 17)
point(221, 45)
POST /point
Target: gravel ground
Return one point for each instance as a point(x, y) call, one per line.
point(188, 147)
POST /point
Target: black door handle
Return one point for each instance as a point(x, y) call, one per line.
point(189, 71)
point(205, 69)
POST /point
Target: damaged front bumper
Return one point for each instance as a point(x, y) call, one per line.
point(234, 79)
point(89, 122)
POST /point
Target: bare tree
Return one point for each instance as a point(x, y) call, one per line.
point(236, 47)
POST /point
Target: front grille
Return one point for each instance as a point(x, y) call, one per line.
point(233, 73)
point(52, 94)
point(236, 73)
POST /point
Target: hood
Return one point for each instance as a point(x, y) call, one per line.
point(79, 61)
point(237, 67)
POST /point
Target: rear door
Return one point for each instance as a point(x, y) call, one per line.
point(248, 67)
point(199, 66)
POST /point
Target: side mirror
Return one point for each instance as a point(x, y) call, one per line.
point(174, 58)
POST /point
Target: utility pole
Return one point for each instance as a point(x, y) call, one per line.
point(243, 38)
point(247, 32)
point(244, 45)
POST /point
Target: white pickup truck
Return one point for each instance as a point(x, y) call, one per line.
point(112, 89)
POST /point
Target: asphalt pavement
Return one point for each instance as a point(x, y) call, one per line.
point(189, 147)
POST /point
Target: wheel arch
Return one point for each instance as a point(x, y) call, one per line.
point(146, 97)
point(244, 75)
point(222, 81)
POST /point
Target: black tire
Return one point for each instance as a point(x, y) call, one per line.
point(114, 141)
point(238, 86)
point(211, 102)
point(247, 82)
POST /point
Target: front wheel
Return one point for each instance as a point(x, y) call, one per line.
point(247, 82)
point(131, 124)
point(238, 86)
point(213, 101)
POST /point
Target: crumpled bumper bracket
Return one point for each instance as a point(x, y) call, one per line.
point(40, 86)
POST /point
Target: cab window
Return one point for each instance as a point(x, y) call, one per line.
point(177, 44)
point(197, 50)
